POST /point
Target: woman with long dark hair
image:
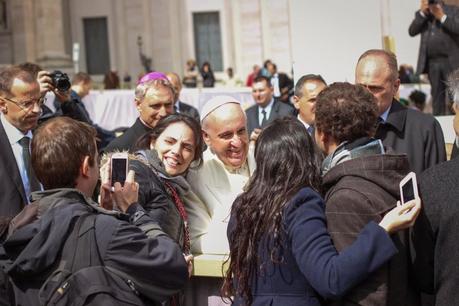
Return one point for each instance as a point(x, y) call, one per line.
point(280, 250)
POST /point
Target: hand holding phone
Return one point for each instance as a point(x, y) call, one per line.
point(408, 188)
point(119, 165)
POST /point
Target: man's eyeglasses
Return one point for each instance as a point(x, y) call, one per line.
point(28, 105)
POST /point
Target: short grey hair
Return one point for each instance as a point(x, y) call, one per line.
point(453, 86)
point(142, 88)
point(307, 78)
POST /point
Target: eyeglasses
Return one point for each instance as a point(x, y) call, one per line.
point(28, 105)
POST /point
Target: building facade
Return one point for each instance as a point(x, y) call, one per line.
point(129, 35)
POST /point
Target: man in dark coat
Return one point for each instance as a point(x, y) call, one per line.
point(129, 242)
point(435, 232)
point(179, 106)
point(154, 98)
point(266, 108)
point(438, 24)
point(360, 181)
point(404, 130)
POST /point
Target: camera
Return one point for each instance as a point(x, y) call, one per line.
point(60, 80)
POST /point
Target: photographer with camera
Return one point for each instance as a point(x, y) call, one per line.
point(438, 25)
point(68, 99)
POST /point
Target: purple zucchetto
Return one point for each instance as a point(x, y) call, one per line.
point(152, 76)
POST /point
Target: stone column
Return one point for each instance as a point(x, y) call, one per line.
point(49, 34)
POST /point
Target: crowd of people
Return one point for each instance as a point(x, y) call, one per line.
point(303, 197)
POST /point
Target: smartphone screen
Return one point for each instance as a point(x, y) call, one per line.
point(408, 191)
point(119, 170)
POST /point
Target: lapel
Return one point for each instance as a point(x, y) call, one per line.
point(9, 162)
point(397, 116)
point(274, 111)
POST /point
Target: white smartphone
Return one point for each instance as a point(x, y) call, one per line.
point(119, 168)
point(409, 188)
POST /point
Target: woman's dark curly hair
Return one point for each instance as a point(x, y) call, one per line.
point(145, 141)
point(346, 112)
point(287, 161)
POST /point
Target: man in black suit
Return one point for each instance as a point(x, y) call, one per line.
point(179, 106)
point(404, 130)
point(306, 90)
point(439, 50)
point(20, 105)
point(154, 98)
point(266, 108)
point(436, 231)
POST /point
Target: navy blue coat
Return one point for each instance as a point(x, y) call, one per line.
point(312, 267)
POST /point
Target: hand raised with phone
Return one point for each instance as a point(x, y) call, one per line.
point(402, 216)
point(127, 194)
point(112, 191)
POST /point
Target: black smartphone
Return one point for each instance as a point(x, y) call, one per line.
point(119, 168)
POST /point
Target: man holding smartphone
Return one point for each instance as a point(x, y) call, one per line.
point(64, 157)
point(439, 50)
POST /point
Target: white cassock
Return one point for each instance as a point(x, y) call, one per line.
point(214, 189)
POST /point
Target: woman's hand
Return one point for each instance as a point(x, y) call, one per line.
point(402, 216)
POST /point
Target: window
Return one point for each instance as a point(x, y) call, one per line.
point(207, 39)
point(96, 45)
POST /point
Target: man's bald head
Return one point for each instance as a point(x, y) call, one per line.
point(377, 71)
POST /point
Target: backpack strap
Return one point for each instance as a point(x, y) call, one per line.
point(86, 252)
point(80, 250)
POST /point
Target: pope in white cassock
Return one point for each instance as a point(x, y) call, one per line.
point(227, 167)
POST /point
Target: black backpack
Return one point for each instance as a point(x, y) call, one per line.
point(80, 278)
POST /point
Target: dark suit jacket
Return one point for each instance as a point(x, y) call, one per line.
point(450, 27)
point(189, 110)
point(417, 134)
point(12, 194)
point(436, 233)
point(129, 138)
point(278, 110)
point(311, 266)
